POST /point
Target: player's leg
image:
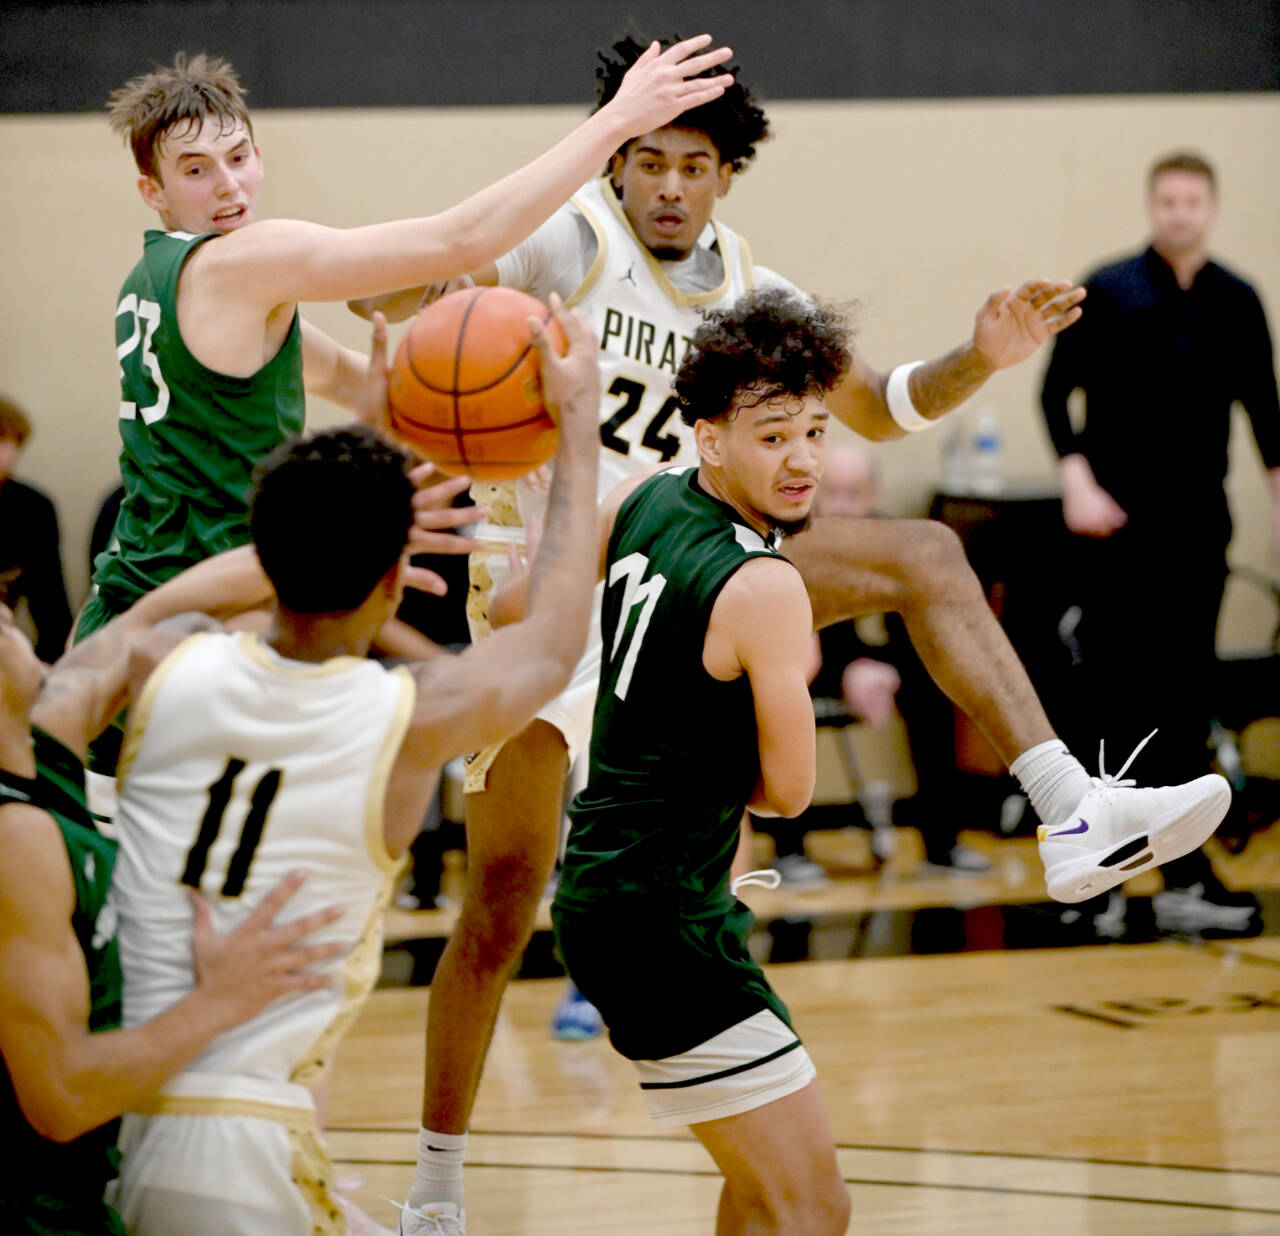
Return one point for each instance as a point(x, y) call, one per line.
point(780, 1169)
point(513, 827)
point(1095, 832)
point(917, 568)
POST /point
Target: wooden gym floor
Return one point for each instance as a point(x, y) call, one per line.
point(1006, 1082)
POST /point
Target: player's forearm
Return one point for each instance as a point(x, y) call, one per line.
point(396, 638)
point(101, 1076)
point(938, 386)
point(221, 586)
point(562, 582)
point(278, 261)
point(861, 398)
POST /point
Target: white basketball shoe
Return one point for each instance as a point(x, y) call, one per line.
point(433, 1219)
point(1119, 830)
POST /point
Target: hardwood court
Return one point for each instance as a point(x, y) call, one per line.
point(1123, 1090)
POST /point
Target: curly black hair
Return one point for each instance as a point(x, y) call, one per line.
point(771, 342)
point(734, 121)
point(330, 514)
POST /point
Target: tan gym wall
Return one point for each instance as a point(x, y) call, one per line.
point(917, 210)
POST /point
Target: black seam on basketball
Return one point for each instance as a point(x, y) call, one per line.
point(472, 390)
point(430, 428)
point(457, 362)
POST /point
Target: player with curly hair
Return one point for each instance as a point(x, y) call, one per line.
point(214, 355)
point(701, 607)
point(639, 252)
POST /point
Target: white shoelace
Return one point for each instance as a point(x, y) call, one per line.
point(765, 878)
point(436, 1221)
point(1104, 780)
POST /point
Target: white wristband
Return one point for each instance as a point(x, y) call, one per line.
point(898, 394)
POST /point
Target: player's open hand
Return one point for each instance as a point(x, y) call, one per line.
point(248, 968)
point(570, 383)
point(1010, 326)
point(662, 84)
point(435, 519)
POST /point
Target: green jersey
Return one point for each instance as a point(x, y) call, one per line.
point(50, 1188)
point(674, 752)
point(190, 436)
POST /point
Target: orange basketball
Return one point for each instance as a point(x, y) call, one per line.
point(465, 388)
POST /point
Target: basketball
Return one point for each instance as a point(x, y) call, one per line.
point(465, 389)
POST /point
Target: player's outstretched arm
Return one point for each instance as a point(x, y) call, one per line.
point(89, 685)
point(1009, 327)
point(68, 1080)
point(494, 688)
point(280, 261)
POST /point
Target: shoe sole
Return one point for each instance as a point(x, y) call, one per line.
point(1080, 878)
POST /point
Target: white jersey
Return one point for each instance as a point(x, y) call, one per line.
point(238, 767)
point(643, 311)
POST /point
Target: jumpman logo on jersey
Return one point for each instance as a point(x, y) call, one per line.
point(629, 276)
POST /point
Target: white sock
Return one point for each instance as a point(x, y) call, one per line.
point(439, 1175)
point(1052, 778)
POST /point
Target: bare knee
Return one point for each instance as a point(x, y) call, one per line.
point(820, 1207)
point(931, 550)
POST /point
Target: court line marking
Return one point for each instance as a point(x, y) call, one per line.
point(1002, 1190)
point(993, 1154)
point(1220, 949)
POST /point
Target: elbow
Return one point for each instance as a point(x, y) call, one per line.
point(55, 1116)
point(785, 798)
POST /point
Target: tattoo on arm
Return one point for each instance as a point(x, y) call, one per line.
point(942, 384)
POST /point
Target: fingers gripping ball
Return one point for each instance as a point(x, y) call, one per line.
point(465, 388)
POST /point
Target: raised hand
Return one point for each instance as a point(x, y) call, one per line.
point(252, 966)
point(570, 383)
point(1010, 326)
point(662, 84)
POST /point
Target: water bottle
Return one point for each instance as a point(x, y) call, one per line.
point(954, 473)
point(986, 467)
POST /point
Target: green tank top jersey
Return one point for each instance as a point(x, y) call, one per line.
point(190, 436)
point(46, 1187)
point(674, 752)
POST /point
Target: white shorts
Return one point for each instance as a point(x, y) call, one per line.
point(571, 711)
point(251, 1166)
point(753, 1063)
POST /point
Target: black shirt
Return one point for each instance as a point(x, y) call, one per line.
point(1160, 367)
point(31, 564)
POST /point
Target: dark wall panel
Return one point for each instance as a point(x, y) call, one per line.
point(370, 53)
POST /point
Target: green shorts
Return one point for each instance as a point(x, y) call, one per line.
point(663, 982)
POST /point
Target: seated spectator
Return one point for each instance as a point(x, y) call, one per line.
point(30, 557)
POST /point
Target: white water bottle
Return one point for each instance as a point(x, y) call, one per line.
point(986, 465)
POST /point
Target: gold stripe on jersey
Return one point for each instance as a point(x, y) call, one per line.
point(311, 1170)
point(140, 713)
point(602, 254)
point(257, 651)
point(375, 824)
point(746, 262)
point(360, 970)
point(676, 296)
point(301, 1119)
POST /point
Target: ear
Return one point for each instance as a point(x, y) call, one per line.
point(152, 193)
point(616, 162)
point(724, 178)
point(706, 436)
